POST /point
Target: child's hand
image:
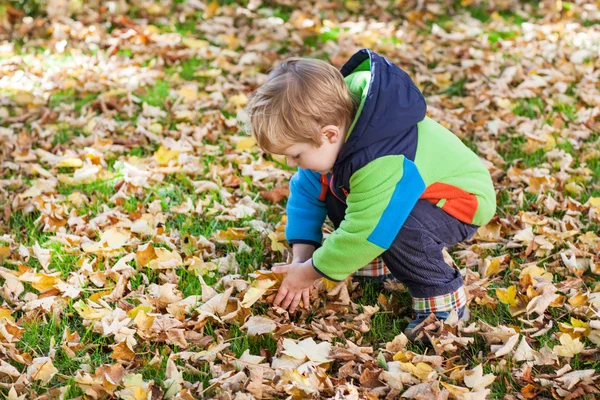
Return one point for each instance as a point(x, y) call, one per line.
point(296, 285)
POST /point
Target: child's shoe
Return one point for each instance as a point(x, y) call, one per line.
point(412, 333)
point(440, 306)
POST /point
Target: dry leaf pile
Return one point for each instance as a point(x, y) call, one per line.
point(138, 220)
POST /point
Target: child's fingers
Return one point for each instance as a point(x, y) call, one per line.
point(295, 302)
point(280, 296)
point(306, 298)
point(288, 300)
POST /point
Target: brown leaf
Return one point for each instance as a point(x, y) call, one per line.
point(145, 254)
point(370, 378)
point(529, 391)
point(122, 352)
point(276, 195)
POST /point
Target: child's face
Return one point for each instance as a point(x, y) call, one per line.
point(318, 159)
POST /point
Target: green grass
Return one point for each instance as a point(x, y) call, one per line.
point(495, 36)
point(456, 89)
point(157, 94)
point(530, 108)
point(240, 342)
point(25, 229)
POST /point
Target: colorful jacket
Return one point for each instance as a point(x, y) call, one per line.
point(393, 156)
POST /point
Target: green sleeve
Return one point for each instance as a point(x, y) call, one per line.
point(382, 194)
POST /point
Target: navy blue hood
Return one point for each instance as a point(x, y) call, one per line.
point(392, 108)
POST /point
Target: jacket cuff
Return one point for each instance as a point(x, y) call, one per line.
point(322, 274)
point(304, 241)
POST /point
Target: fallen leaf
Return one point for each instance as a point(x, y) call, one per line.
point(257, 325)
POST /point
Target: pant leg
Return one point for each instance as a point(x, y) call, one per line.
point(415, 257)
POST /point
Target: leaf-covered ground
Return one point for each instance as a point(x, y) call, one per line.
point(135, 213)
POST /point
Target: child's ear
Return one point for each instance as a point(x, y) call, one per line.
point(331, 133)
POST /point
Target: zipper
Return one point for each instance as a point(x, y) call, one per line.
point(331, 188)
point(324, 187)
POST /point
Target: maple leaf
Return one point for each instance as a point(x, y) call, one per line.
point(257, 325)
point(568, 346)
point(123, 352)
point(174, 381)
point(135, 388)
point(256, 291)
point(165, 259)
point(307, 349)
point(503, 350)
point(163, 156)
point(476, 380)
point(13, 395)
point(41, 369)
point(43, 255)
point(508, 295)
point(523, 352)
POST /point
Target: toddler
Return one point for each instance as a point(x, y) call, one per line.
point(397, 185)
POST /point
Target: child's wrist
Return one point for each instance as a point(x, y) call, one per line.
point(308, 267)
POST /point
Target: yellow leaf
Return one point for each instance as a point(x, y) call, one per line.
point(569, 346)
point(352, 5)
point(209, 73)
point(70, 163)
point(594, 202)
point(163, 156)
point(23, 98)
point(6, 313)
point(96, 296)
point(455, 391)
point(144, 255)
point(577, 328)
point(238, 100)
point(201, 268)
point(578, 300)
point(491, 266)
point(45, 283)
point(90, 313)
point(329, 285)
point(122, 352)
point(508, 295)
point(134, 311)
point(275, 244)
point(42, 369)
point(152, 30)
point(578, 323)
point(165, 259)
point(246, 144)
point(423, 371)
point(143, 320)
point(194, 43)
point(573, 188)
point(4, 252)
point(535, 271)
point(256, 290)
point(156, 128)
point(231, 234)
point(113, 93)
point(211, 10)
point(188, 93)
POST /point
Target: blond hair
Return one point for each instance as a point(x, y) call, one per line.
point(300, 97)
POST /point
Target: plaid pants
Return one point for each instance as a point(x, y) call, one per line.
point(377, 269)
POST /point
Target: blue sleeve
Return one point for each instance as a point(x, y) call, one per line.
point(305, 212)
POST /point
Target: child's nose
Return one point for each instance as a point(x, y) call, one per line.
point(290, 162)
